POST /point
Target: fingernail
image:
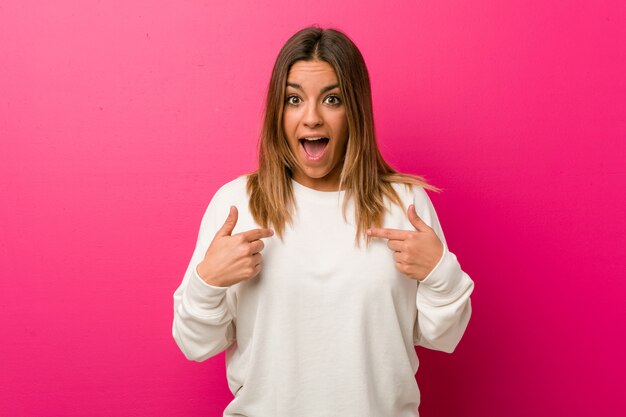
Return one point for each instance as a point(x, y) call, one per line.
point(369, 232)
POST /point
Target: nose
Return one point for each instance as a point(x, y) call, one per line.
point(312, 117)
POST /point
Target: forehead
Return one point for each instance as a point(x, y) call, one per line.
point(303, 72)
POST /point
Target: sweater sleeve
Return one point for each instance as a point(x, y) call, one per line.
point(203, 314)
point(443, 297)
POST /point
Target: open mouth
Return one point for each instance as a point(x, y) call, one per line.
point(314, 147)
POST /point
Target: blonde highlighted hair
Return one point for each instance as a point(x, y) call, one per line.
point(365, 176)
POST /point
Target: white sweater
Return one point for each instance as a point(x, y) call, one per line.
point(325, 329)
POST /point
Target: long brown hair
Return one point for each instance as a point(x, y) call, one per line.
point(365, 175)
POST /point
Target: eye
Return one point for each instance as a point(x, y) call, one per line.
point(290, 101)
point(334, 100)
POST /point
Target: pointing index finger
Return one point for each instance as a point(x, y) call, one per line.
point(394, 234)
point(256, 234)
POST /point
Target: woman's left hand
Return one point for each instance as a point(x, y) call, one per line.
point(416, 252)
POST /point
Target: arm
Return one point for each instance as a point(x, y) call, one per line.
point(443, 297)
point(203, 314)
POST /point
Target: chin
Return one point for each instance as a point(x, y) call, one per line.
point(317, 173)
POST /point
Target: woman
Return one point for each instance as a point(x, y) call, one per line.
point(320, 272)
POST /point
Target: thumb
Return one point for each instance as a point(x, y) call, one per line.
point(229, 224)
point(415, 220)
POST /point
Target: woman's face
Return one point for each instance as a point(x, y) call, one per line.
point(314, 109)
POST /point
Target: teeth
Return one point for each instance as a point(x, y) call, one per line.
point(313, 139)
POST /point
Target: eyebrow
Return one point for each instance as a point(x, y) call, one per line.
point(323, 90)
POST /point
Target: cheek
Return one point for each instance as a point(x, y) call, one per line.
point(289, 126)
point(286, 121)
point(341, 127)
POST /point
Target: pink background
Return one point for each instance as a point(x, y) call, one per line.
point(119, 120)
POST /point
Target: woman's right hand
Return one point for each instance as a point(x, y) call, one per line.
point(232, 258)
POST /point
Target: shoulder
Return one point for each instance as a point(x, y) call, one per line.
point(232, 192)
point(417, 195)
point(411, 193)
point(232, 188)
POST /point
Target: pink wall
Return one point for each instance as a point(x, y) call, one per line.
point(119, 120)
